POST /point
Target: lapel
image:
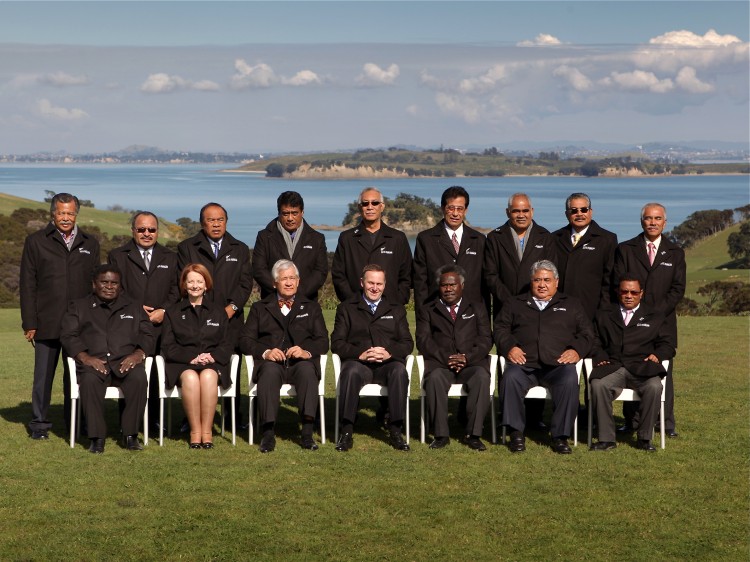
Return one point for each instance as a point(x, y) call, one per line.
point(641, 253)
point(445, 241)
point(507, 242)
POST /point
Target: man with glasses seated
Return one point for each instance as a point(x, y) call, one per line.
point(290, 237)
point(149, 277)
point(372, 242)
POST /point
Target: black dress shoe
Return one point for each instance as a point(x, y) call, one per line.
point(645, 445)
point(440, 442)
point(132, 443)
point(345, 442)
point(208, 445)
point(397, 441)
point(268, 443)
point(517, 442)
point(308, 443)
point(625, 428)
point(540, 426)
point(383, 416)
point(474, 443)
point(561, 447)
point(97, 445)
point(672, 434)
point(39, 434)
point(196, 445)
point(603, 446)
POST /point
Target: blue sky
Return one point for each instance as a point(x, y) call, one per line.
point(272, 76)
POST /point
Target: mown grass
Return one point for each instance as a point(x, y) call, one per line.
point(689, 501)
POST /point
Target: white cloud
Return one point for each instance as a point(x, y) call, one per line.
point(541, 40)
point(162, 83)
point(412, 110)
point(259, 76)
point(373, 75)
point(58, 79)
point(577, 79)
point(302, 78)
point(466, 108)
point(684, 38)
point(639, 80)
point(485, 82)
point(46, 109)
point(688, 80)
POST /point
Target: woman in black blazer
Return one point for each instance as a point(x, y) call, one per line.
point(197, 352)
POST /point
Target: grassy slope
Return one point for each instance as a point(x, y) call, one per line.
point(689, 501)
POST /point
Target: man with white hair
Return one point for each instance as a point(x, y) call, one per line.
point(286, 335)
point(542, 335)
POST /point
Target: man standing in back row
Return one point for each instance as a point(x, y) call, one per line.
point(289, 237)
point(660, 263)
point(56, 267)
point(372, 242)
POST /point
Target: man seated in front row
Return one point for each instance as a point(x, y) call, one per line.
point(453, 335)
point(632, 341)
point(286, 335)
point(109, 335)
point(542, 334)
point(371, 335)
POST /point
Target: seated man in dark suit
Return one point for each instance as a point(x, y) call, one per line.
point(371, 335)
point(632, 341)
point(286, 335)
point(542, 334)
point(109, 335)
point(453, 334)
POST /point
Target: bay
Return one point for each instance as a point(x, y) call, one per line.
point(174, 191)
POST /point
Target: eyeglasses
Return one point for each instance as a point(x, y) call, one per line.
point(142, 229)
point(576, 210)
point(633, 292)
point(455, 208)
point(370, 203)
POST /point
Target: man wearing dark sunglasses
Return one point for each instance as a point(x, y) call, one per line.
point(150, 277)
point(585, 255)
point(372, 242)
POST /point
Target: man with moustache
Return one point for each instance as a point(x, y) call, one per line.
point(585, 255)
point(290, 237)
point(450, 242)
point(149, 277)
point(371, 335)
point(660, 263)
point(542, 334)
point(286, 335)
point(56, 267)
point(109, 335)
point(372, 242)
point(509, 252)
point(228, 261)
point(632, 341)
point(453, 335)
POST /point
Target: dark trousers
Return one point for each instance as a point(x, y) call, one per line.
point(562, 382)
point(356, 374)
point(476, 383)
point(630, 409)
point(46, 356)
point(271, 376)
point(604, 391)
point(93, 387)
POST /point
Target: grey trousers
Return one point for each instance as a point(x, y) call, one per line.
point(604, 391)
point(46, 357)
point(270, 378)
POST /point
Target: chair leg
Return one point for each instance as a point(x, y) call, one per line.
point(336, 418)
point(161, 422)
point(251, 423)
point(322, 415)
point(234, 425)
point(493, 419)
point(222, 415)
point(421, 420)
point(662, 428)
point(169, 418)
point(145, 424)
point(73, 408)
point(408, 431)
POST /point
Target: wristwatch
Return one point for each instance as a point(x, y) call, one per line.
point(234, 306)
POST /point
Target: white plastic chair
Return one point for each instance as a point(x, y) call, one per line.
point(543, 393)
point(286, 390)
point(175, 392)
point(371, 389)
point(627, 395)
point(455, 391)
point(113, 392)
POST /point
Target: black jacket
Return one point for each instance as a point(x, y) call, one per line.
point(159, 285)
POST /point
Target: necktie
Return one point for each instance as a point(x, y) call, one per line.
point(373, 307)
point(216, 249)
point(628, 316)
point(147, 259)
point(651, 252)
point(453, 312)
point(576, 238)
point(455, 242)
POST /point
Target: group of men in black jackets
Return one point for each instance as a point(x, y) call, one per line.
point(550, 294)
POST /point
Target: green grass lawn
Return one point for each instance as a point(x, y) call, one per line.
point(707, 261)
point(689, 501)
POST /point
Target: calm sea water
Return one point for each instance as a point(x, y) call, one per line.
point(180, 191)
